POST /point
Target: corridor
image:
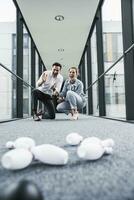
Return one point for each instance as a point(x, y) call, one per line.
point(92, 41)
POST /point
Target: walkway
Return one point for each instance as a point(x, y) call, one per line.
point(109, 178)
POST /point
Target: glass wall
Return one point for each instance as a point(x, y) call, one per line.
point(8, 58)
point(114, 93)
point(113, 49)
point(94, 73)
point(14, 83)
point(36, 66)
point(26, 73)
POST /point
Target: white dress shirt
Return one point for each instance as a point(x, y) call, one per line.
point(50, 82)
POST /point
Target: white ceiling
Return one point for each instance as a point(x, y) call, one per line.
point(50, 35)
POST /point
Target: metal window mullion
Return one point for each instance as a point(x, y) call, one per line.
point(83, 78)
point(33, 69)
point(32, 64)
point(40, 66)
point(40, 72)
point(19, 67)
point(79, 72)
point(101, 84)
point(127, 27)
point(83, 73)
point(44, 67)
point(89, 79)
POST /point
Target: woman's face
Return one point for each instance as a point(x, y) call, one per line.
point(72, 73)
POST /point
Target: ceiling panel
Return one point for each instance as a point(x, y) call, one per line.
point(50, 35)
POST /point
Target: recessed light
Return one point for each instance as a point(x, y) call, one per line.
point(59, 18)
point(61, 50)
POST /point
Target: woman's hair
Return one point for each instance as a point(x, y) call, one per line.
point(75, 68)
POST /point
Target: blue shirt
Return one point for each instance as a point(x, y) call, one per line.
point(76, 86)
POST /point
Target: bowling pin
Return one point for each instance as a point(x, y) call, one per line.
point(92, 151)
point(10, 145)
point(108, 143)
point(22, 142)
point(50, 154)
point(108, 150)
point(91, 140)
point(16, 159)
point(73, 139)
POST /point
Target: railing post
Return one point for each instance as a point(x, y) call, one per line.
point(19, 69)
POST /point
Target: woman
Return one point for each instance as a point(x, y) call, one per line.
point(72, 97)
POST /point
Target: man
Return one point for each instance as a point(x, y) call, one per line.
point(49, 84)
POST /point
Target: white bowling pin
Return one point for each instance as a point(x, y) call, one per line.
point(108, 143)
point(73, 139)
point(24, 142)
point(50, 154)
point(10, 145)
point(108, 150)
point(91, 140)
point(90, 152)
point(16, 159)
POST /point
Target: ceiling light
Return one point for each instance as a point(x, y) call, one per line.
point(61, 50)
point(59, 18)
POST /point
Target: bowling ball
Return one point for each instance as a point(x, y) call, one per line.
point(2, 196)
point(24, 190)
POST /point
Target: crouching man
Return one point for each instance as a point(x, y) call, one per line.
point(49, 84)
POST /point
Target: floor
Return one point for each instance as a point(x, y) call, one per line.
point(109, 178)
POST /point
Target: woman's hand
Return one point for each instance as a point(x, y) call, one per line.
point(60, 99)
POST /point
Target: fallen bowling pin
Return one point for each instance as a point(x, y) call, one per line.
point(22, 142)
point(73, 139)
point(91, 140)
point(90, 152)
point(23, 190)
point(16, 159)
point(10, 145)
point(50, 154)
point(108, 150)
point(108, 143)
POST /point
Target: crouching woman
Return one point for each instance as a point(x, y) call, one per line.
point(72, 97)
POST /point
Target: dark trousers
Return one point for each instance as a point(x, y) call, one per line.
point(46, 100)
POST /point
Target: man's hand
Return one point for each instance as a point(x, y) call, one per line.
point(55, 93)
point(44, 77)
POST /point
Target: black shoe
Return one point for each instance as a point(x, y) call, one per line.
point(45, 116)
point(40, 113)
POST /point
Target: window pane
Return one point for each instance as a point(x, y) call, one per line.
point(114, 92)
point(113, 49)
point(94, 73)
point(36, 66)
point(26, 73)
point(8, 58)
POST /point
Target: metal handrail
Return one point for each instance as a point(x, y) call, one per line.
point(127, 51)
point(16, 75)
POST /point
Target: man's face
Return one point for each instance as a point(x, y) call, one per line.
point(55, 70)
